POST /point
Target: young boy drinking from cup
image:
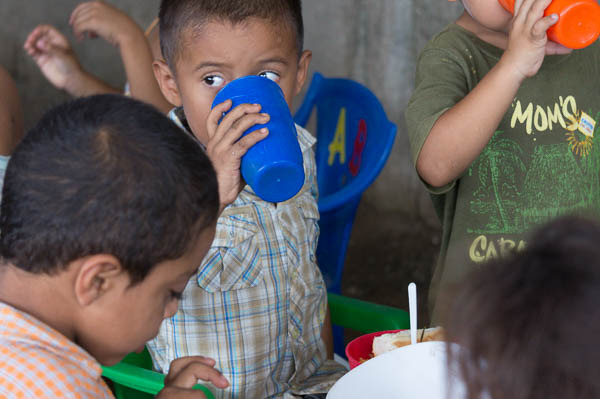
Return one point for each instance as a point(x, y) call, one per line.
point(258, 302)
point(107, 210)
point(503, 128)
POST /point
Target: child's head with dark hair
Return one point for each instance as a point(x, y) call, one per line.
point(112, 182)
point(530, 323)
point(208, 43)
point(179, 18)
point(111, 200)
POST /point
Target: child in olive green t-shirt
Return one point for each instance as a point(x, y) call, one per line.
point(502, 128)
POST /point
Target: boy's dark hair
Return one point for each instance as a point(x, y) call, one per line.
point(177, 16)
point(530, 324)
point(105, 174)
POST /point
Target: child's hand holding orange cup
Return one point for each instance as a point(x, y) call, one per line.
point(578, 23)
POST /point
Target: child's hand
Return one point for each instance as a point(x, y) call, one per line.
point(96, 18)
point(53, 54)
point(528, 42)
point(225, 148)
point(185, 372)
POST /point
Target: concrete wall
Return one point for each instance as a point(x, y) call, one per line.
point(372, 41)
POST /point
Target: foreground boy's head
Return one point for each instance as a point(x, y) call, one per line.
point(208, 43)
point(531, 323)
point(107, 210)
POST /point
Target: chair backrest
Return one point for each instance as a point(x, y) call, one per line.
point(354, 140)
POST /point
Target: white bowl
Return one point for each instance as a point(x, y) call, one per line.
point(413, 371)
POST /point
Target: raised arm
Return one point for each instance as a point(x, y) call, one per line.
point(53, 54)
point(96, 18)
point(460, 134)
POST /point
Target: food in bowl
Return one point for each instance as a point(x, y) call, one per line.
point(360, 349)
point(388, 342)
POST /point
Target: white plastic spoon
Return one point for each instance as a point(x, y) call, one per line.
point(412, 310)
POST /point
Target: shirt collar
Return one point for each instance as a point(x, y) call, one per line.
point(178, 116)
point(305, 139)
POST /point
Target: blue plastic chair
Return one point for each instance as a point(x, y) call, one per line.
point(354, 140)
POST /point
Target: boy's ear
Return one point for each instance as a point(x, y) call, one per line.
point(303, 65)
point(95, 276)
point(166, 82)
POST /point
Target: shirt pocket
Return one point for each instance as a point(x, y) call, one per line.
point(233, 261)
point(309, 211)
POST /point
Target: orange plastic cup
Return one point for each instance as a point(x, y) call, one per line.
point(578, 23)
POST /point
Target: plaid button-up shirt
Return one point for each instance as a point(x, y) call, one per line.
point(258, 301)
point(37, 361)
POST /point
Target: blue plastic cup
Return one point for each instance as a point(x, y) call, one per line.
point(272, 167)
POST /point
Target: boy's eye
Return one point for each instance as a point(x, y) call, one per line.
point(176, 295)
point(213, 81)
point(270, 75)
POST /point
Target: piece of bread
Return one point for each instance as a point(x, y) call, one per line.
point(388, 342)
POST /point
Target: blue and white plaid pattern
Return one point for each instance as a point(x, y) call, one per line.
point(258, 301)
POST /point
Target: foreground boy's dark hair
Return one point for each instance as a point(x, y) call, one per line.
point(105, 174)
point(531, 323)
point(178, 16)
